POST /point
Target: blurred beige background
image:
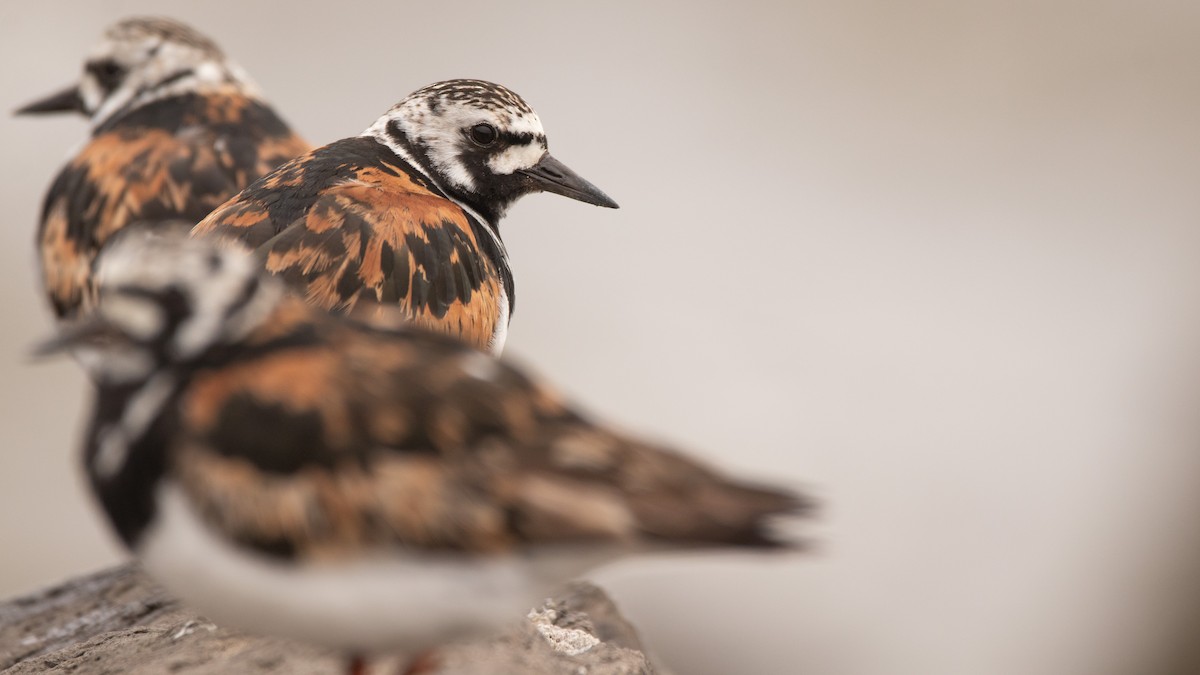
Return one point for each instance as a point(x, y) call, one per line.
point(935, 260)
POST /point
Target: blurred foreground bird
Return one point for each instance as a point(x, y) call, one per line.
point(408, 213)
point(177, 129)
point(290, 471)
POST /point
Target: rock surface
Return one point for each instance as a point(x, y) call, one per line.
point(118, 621)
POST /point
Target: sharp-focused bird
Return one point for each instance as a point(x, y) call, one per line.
point(408, 213)
point(177, 129)
point(292, 471)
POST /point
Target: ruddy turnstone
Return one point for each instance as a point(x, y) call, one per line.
point(291, 471)
point(408, 213)
point(177, 129)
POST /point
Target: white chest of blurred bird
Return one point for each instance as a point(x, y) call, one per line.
point(290, 471)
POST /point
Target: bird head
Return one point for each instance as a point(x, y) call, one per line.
point(482, 144)
point(142, 60)
point(163, 299)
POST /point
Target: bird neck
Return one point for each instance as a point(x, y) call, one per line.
point(487, 233)
point(390, 132)
point(190, 96)
point(126, 455)
point(226, 107)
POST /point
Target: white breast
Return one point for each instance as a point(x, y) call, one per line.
point(398, 602)
point(496, 344)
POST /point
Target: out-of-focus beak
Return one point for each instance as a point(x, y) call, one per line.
point(551, 175)
point(67, 100)
point(90, 329)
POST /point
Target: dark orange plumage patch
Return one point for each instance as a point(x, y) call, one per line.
point(65, 267)
point(167, 164)
point(328, 437)
point(352, 230)
point(294, 380)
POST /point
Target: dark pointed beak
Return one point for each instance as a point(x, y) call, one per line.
point(67, 100)
point(90, 329)
point(551, 175)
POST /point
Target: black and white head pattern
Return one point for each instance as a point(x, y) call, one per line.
point(471, 136)
point(146, 59)
point(166, 299)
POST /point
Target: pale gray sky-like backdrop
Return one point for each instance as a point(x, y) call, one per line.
point(937, 261)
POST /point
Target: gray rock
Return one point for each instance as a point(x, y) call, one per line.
point(119, 622)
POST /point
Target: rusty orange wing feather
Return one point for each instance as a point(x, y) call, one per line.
point(145, 175)
point(353, 438)
point(374, 239)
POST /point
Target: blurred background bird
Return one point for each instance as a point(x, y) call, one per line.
point(408, 213)
point(177, 128)
point(290, 471)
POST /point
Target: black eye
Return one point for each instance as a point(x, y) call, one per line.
point(484, 134)
point(108, 73)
